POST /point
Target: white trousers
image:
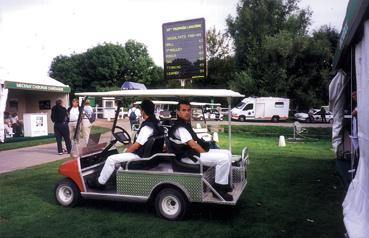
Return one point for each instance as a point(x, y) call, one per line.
point(110, 163)
point(222, 160)
point(85, 129)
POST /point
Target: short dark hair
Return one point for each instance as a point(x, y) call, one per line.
point(59, 101)
point(148, 107)
point(183, 102)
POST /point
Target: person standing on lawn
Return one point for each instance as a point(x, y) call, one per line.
point(59, 116)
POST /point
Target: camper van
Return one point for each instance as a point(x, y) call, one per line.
point(261, 108)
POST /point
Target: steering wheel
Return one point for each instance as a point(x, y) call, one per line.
point(121, 135)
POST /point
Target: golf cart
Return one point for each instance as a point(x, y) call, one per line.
point(206, 111)
point(159, 177)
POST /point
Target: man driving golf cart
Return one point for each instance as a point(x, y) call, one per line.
point(149, 128)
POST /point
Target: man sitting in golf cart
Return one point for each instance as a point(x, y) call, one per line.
point(149, 128)
point(186, 144)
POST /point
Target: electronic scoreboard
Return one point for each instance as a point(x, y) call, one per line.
point(184, 49)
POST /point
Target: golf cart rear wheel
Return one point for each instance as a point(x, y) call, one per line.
point(67, 193)
point(171, 204)
point(242, 118)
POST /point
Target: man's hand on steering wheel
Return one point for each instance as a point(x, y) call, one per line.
point(121, 135)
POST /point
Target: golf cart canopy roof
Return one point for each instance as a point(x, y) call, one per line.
point(160, 102)
point(204, 104)
point(176, 102)
point(166, 93)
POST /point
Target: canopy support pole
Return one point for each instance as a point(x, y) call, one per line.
point(229, 100)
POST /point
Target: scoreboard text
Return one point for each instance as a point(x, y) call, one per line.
point(184, 49)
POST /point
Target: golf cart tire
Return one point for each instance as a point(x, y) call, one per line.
point(242, 118)
point(275, 119)
point(67, 193)
point(171, 204)
point(330, 121)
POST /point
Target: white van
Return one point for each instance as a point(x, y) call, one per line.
point(262, 108)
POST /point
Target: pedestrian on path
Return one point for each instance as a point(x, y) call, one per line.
point(134, 115)
point(73, 112)
point(59, 116)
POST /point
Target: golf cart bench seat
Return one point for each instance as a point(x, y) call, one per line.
point(183, 165)
point(153, 147)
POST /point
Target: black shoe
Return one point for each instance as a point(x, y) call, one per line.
point(224, 195)
point(94, 183)
point(225, 188)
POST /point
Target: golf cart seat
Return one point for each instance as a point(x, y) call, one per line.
point(153, 146)
point(184, 165)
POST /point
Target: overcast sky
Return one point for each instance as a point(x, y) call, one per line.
point(33, 32)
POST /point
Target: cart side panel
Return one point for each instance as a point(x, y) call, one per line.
point(138, 183)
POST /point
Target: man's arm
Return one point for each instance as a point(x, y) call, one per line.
point(142, 137)
point(53, 114)
point(133, 147)
point(195, 146)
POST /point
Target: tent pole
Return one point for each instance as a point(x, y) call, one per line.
point(229, 124)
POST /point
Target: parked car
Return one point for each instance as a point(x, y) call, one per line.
point(317, 117)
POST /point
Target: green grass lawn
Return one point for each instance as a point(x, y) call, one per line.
point(291, 192)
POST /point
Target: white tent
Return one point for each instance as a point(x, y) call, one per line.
point(356, 204)
point(28, 92)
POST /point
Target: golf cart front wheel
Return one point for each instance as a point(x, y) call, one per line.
point(67, 193)
point(171, 204)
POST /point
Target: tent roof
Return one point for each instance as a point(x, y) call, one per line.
point(32, 81)
point(127, 85)
point(356, 13)
point(166, 93)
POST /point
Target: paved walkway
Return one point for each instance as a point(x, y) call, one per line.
point(16, 159)
point(11, 160)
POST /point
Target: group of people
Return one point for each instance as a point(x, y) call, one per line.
point(184, 141)
point(12, 126)
point(65, 123)
point(322, 113)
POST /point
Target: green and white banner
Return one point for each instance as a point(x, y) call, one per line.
point(36, 87)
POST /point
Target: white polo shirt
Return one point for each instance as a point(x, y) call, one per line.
point(144, 134)
point(73, 114)
point(183, 135)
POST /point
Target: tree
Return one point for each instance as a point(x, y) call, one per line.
point(140, 66)
point(275, 55)
point(221, 65)
point(218, 44)
point(106, 67)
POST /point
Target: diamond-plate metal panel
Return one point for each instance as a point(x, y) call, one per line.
point(141, 184)
point(238, 174)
